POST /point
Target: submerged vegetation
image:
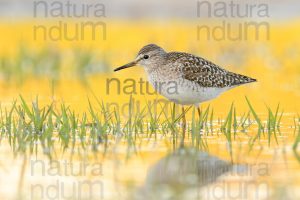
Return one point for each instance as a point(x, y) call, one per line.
point(33, 128)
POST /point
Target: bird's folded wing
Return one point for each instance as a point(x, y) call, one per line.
point(206, 73)
point(210, 76)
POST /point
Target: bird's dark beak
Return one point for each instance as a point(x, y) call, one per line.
point(131, 64)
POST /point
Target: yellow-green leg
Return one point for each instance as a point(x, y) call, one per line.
point(199, 111)
point(183, 127)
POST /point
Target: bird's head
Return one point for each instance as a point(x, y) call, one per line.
point(147, 57)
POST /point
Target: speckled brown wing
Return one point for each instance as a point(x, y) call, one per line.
point(206, 73)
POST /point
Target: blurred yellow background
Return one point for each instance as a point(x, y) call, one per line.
point(275, 62)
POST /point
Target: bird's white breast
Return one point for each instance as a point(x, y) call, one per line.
point(183, 91)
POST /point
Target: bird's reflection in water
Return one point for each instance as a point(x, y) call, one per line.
point(174, 175)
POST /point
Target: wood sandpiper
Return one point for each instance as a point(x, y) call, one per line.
point(185, 78)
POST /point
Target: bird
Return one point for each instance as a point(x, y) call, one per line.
point(184, 78)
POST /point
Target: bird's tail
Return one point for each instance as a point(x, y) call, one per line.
point(238, 79)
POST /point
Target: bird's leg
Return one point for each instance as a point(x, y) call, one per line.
point(183, 127)
point(199, 111)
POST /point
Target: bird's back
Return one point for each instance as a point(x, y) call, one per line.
point(203, 72)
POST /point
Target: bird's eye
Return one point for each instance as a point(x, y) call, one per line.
point(146, 56)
